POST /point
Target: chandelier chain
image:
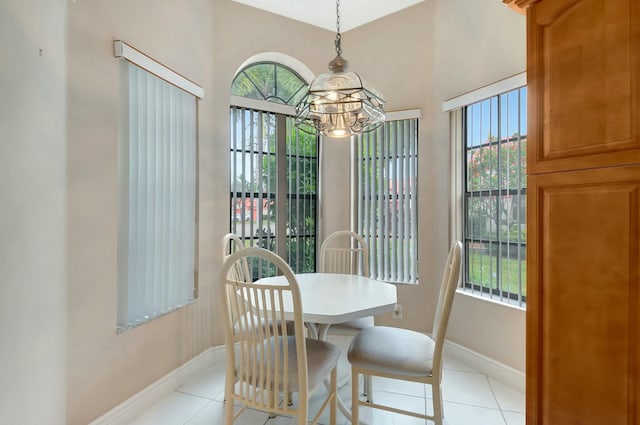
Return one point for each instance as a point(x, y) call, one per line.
point(338, 41)
point(339, 104)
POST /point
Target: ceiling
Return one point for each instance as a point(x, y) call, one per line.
point(322, 13)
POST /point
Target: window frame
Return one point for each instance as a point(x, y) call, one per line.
point(458, 130)
point(284, 115)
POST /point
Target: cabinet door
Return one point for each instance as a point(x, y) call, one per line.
point(583, 78)
point(583, 300)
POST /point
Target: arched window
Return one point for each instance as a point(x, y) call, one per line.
point(274, 165)
point(269, 81)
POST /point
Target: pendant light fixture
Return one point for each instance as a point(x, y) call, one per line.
point(339, 103)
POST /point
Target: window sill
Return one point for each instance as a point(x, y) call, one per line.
point(123, 328)
point(462, 291)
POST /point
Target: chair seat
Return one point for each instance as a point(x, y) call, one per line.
point(411, 356)
point(352, 326)
point(322, 357)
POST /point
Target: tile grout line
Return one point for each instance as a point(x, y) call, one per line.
point(199, 410)
point(393, 391)
point(493, 391)
point(463, 370)
point(195, 395)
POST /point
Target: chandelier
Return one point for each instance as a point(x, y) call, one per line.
point(340, 103)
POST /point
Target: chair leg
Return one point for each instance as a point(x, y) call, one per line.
point(368, 388)
point(438, 412)
point(228, 411)
point(355, 397)
point(333, 406)
point(303, 411)
point(228, 399)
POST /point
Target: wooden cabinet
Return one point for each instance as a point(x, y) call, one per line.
point(583, 71)
point(583, 317)
point(583, 254)
point(512, 4)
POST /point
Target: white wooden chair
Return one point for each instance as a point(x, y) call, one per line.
point(266, 364)
point(230, 244)
point(240, 271)
point(405, 354)
point(346, 252)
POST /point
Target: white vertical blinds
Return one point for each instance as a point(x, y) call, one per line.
point(160, 222)
point(386, 193)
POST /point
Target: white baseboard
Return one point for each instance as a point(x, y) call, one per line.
point(492, 368)
point(128, 410)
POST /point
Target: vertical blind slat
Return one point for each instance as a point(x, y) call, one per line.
point(413, 149)
point(402, 210)
point(393, 200)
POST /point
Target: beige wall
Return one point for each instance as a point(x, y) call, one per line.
point(205, 41)
point(417, 57)
point(105, 368)
point(32, 225)
point(477, 43)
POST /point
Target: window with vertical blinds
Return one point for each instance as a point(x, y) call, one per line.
point(386, 192)
point(158, 198)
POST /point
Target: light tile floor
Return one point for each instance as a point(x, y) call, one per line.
point(470, 398)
